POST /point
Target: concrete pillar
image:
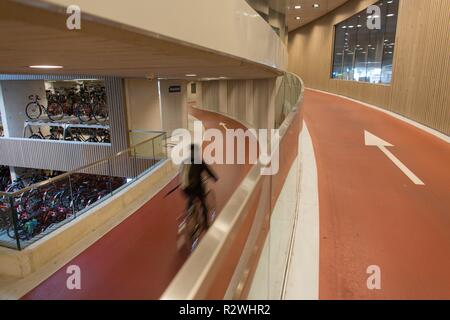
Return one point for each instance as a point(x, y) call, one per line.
point(194, 98)
point(223, 97)
point(249, 101)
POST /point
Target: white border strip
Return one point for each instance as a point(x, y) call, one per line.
point(303, 269)
point(420, 126)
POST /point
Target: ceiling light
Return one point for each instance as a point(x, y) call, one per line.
point(297, 18)
point(298, 7)
point(45, 67)
point(191, 75)
point(316, 5)
point(390, 15)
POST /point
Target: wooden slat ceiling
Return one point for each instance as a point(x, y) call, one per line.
point(32, 36)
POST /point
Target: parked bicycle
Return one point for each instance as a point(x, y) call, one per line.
point(55, 134)
point(34, 109)
point(38, 209)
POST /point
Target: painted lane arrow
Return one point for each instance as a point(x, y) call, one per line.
point(372, 140)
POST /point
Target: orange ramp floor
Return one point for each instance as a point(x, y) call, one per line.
point(138, 258)
point(371, 213)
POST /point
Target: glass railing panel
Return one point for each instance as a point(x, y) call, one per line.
point(31, 213)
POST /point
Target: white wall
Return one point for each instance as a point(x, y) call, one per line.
point(252, 101)
point(225, 26)
point(15, 99)
point(173, 105)
point(143, 108)
point(195, 99)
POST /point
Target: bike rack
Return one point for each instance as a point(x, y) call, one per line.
point(64, 125)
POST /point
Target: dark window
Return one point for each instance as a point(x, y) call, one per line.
point(193, 88)
point(362, 52)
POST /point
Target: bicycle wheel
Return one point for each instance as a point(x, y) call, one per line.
point(101, 113)
point(55, 111)
point(84, 112)
point(211, 205)
point(33, 110)
point(21, 233)
point(51, 137)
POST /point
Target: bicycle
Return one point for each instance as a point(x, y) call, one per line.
point(55, 134)
point(34, 109)
point(191, 224)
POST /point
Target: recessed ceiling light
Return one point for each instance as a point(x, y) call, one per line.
point(316, 5)
point(297, 18)
point(298, 7)
point(45, 67)
point(191, 75)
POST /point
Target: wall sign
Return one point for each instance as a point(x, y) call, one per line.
point(173, 89)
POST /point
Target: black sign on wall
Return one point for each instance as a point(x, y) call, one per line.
point(173, 89)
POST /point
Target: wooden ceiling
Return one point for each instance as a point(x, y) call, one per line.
point(32, 36)
point(307, 12)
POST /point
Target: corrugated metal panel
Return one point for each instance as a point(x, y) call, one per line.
point(52, 155)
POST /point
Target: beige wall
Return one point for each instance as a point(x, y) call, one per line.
point(143, 109)
point(173, 105)
point(421, 71)
point(251, 101)
point(147, 110)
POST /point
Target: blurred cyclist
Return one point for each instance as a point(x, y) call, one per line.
point(192, 179)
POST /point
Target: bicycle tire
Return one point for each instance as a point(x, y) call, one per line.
point(100, 113)
point(55, 111)
point(20, 232)
point(35, 136)
point(211, 205)
point(51, 137)
point(84, 112)
point(33, 110)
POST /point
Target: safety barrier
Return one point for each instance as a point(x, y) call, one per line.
point(224, 263)
point(31, 213)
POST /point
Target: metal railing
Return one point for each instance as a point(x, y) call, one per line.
point(30, 213)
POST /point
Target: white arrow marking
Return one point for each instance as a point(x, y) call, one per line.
point(223, 125)
point(372, 140)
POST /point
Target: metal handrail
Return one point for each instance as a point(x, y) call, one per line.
point(68, 173)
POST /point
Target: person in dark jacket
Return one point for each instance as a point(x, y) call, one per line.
point(192, 180)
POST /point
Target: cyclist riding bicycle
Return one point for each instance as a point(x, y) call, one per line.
point(191, 175)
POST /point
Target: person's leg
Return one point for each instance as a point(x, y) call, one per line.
point(190, 197)
point(202, 198)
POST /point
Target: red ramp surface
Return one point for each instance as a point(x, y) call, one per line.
point(138, 258)
point(371, 213)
